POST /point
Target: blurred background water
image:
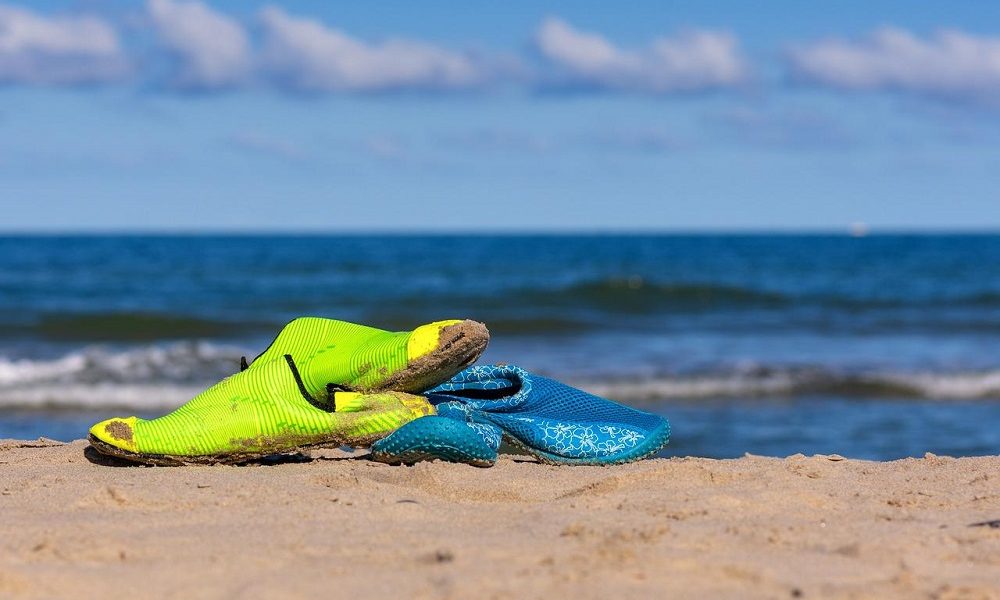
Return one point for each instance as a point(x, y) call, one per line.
point(877, 347)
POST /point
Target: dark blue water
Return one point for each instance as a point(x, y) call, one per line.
point(880, 347)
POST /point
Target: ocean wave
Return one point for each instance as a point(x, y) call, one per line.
point(99, 396)
point(162, 376)
point(790, 382)
point(177, 363)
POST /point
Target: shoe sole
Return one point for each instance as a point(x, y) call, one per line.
point(174, 460)
point(657, 441)
point(434, 438)
point(436, 452)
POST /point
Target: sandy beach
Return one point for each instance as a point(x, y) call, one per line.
point(332, 524)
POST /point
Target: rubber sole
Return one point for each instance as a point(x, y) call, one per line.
point(430, 438)
point(412, 449)
point(172, 460)
point(434, 452)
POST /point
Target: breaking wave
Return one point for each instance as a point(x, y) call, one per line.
point(163, 376)
point(148, 377)
point(790, 382)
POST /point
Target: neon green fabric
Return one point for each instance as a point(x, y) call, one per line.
point(261, 410)
point(355, 356)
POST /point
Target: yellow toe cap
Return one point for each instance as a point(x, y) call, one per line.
point(425, 338)
point(118, 432)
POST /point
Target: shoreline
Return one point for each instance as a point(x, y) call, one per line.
point(332, 523)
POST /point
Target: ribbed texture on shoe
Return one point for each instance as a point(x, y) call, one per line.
point(263, 410)
point(329, 351)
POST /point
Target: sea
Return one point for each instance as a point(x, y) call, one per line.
point(874, 347)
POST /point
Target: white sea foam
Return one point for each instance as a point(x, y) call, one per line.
point(796, 382)
point(693, 387)
point(953, 385)
point(149, 377)
point(161, 376)
point(138, 397)
point(23, 372)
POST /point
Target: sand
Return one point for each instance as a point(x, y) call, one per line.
point(335, 525)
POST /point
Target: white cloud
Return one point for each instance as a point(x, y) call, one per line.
point(949, 63)
point(58, 50)
point(211, 49)
point(691, 61)
point(309, 56)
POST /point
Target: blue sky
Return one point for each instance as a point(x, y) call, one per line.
point(242, 115)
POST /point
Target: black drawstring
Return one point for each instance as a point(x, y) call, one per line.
point(331, 388)
point(331, 407)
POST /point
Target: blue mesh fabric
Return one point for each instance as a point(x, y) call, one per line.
point(490, 433)
point(545, 415)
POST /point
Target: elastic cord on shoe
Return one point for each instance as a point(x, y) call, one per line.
point(331, 405)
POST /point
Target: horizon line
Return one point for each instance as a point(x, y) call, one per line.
point(848, 231)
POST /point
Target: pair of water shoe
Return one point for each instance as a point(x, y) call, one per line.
point(324, 383)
